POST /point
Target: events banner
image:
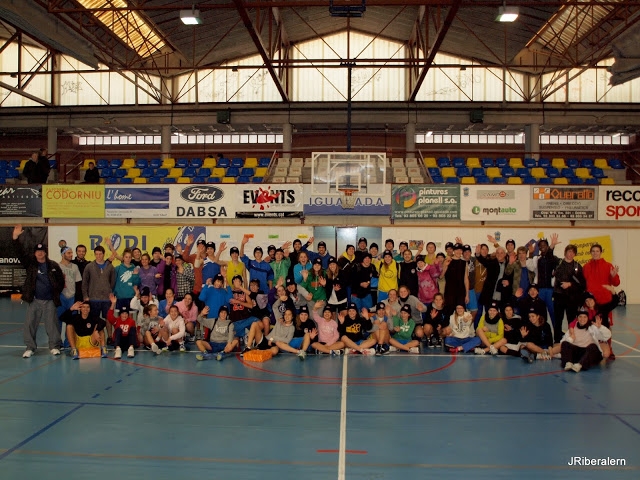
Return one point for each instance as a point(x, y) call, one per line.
point(139, 201)
point(621, 203)
point(203, 201)
point(270, 201)
point(73, 201)
point(374, 203)
point(12, 273)
point(500, 203)
point(564, 203)
point(21, 201)
point(436, 202)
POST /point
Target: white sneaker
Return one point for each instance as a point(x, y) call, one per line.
point(576, 367)
point(493, 350)
point(131, 352)
point(118, 353)
point(55, 351)
point(155, 349)
point(414, 350)
point(182, 348)
point(27, 353)
point(479, 351)
point(368, 351)
point(568, 366)
point(336, 352)
point(347, 351)
point(393, 349)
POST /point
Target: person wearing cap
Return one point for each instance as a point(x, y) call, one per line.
point(347, 263)
point(84, 330)
point(139, 302)
point(260, 302)
point(353, 330)
point(235, 267)
point(314, 282)
point(302, 265)
point(124, 329)
point(403, 327)
point(304, 332)
point(532, 300)
point(523, 274)
point(328, 336)
point(407, 272)
point(185, 278)
point(156, 256)
point(427, 279)
point(361, 249)
point(490, 330)
point(221, 338)
point(280, 263)
point(127, 280)
point(72, 290)
point(210, 267)
point(497, 286)
point(216, 293)
point(322, 252)
point(258, 268)
point(282, 334)
point(376, 261)
point(463, 333)
point(455, 271)
point(361, 283)
point(43, 285)
point(382, 324)
point(402, 247)
point(581, 347)
point(335, 285)
point(388, 275)
point(436, 322)
point(536, 336)
point(510, 247)
point(448, 248)
point(568, 290)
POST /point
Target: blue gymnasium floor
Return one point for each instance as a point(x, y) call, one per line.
point(427, 416)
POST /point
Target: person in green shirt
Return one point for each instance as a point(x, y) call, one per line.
point(403, 328)
point(280, 265)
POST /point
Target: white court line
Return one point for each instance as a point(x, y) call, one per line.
point(625, 345)
point(343, 423)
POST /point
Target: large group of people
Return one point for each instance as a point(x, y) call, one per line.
point(298, 299)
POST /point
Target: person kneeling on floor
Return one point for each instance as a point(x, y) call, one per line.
point(222, 339)
point(580, 348)
point(83, 329)
point(124, 329)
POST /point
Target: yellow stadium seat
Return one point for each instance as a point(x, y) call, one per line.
point(538, 172)
point(561, 181)
point(558, 163)
point(515, 162)
point(601, 163)
point(139, 180)
point(218, 172)
point(133, 172)
point(430, 162)
point(448, 172)
point(128, 163)
point(183, 180)
point(168, 163)
point(582, 172)
point(87, 161)
point(607, 181)
point(251, 162)
point(468, 180)
point(493, 172)
point(473, 162)
point(261, 172)
point(175, 173)
point(22, 164)
point(229, 180)
point(209, 162)
point(514, 181)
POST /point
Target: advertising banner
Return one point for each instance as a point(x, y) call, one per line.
point(621, 203)
point(203, 201)
point(436, 202)
point(73, 201)
point(12, 274)
point(21, 201)
point(265, 201)
point(564, 203)
point(378, 203)
point(139, 201)
point(499, 203)
point(584, 248)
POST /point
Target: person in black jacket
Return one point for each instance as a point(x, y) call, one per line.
point(42, 288)
point(568, 290)
point(92, 175)
point(497, 286)
point(353, 331)
point(361, 286)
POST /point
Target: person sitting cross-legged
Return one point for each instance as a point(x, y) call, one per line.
point(403, 328)
point(83, 329)
point(222, 339)
point(124, 329)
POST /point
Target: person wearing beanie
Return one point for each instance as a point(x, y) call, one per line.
point(258, 268)
point(568, 289)
point(387, 275)
point(353, 330)
point(138, 303)
point(403, 327)
point(490, 330)
point(280, 263)
point(328, 340)
point(322, 253)
point(124, 329)
point(580, 347)
point(376, 261)
point(536, 336)
point(463, 336)
point(304, 333)
point(348, 264)
point(235, 267)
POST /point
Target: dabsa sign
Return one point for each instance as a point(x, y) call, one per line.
point(202, 201)
point(620, 204)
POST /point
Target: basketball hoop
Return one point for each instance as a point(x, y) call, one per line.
point(347, 197)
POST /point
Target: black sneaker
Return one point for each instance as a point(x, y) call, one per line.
point(432, 341)
point(246, 349)
point(438, 342)
point(377, 349)
point(384, 349)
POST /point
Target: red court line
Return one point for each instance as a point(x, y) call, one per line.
point(635, 345)
point(426, 372)
point(354, 452)
point(27, 371)
point(11, 331)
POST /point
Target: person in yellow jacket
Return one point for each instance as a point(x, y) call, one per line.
point(490, 330)
point(388, 278)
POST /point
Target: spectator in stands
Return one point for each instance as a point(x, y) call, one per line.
point(29, 170)
point(43, 285)
point(92, 175)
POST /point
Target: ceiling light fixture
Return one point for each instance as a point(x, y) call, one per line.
point(190, 17)
point(507, 14)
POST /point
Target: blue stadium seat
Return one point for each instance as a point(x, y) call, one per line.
point(572, 162)
point(529, 180)
point(508, 172)
point(142, 163)
point(182, 163)
point(196, 162)
point(14, 163)
point(126, 180)
point(214, 180)
point(483, 180)
point(458, 162)
point(233, 172)
point(453, 180)
point(53, 163)
point(169, 180)
point(500, 180)
point(545, 181)
point(576, 181)
point(13, 173)
point(111, 180)
point(3, 173)
point(522, 172)
point(4, 164)
point(463, 172)
point(102, 163)
point(155, 163)
point(478, 172)
point(567, 173)
point(502, 162)
point(257, 180)
point(437, 179)
point(147, 172)
point(223, 163)
point(591, 181)
point(189, 172)
point(199, 180)
point(247, 172)
point(237, 162)
point(487, 162)
point(434, 171)
point(2, 181)
point(162, 172)
point(243, 179)
point(443, 162)
point(106, 173)
point(586, 162)
point(154, 180)
point(115, 163)
point(616, 163)
point(530, 162)
point(120, 172)
point(597, 173)
point(204, 172)
point(552, 172)
point(544, 162)
point(264, 162)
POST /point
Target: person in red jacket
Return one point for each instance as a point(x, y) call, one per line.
point(124, 329)
point(601, 276)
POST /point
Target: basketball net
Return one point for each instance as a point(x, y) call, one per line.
point(347, 198)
